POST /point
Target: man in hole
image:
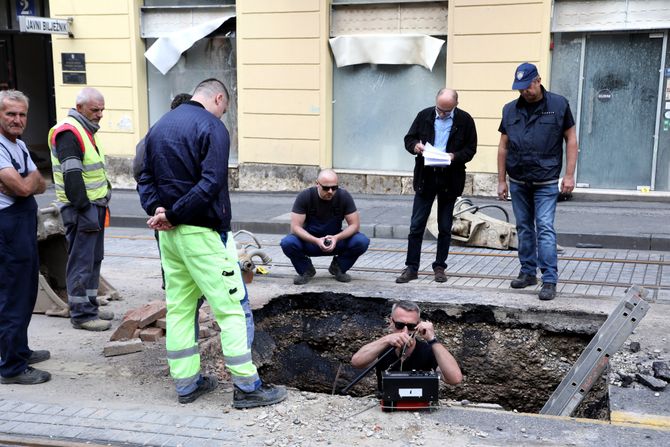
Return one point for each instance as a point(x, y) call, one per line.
point(428, 354)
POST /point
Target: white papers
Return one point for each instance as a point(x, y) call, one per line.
point(166, 51)
point(405, 49)
point(435, 157)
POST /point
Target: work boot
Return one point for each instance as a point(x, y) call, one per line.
point(407, 275)
point(264, 395)
point(334, 270)
point(105, 314)
point(523, 280)
point(548, 291)
point(96, 325)
point(207, 384)
point(39, 356)
point(440, 276)
point(306, 277)
point(30, 376)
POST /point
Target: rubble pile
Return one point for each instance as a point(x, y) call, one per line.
point(635, 367)
point(147, 324)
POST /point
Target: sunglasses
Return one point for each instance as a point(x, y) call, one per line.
point(329, 188)
point(400, 325)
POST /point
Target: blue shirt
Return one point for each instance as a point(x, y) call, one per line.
point(442, 130)
point(14, 156)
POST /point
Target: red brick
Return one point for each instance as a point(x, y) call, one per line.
point(151, 334)
point(125, 331)
point(136, 334)
point(148, 313)
point(122, 347)
point(161, 323)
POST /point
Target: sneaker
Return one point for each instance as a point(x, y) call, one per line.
point(96, 325)
point(207, 384)
point(264, 395)
point(30, 376)
point(523, 280)
point(105, 314)
point(39, 356)
point(440, 276)
point(306, 277)
point(334, 270)
point(548, 291)
point(407, 275)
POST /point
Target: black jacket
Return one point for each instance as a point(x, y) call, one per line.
point(462, 143)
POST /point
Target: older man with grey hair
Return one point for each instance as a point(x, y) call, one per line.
point(82, 187)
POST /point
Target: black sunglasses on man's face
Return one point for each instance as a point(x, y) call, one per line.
point(399, 325)
point(329, 188)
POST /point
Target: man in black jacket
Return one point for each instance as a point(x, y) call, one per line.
point(452, 131)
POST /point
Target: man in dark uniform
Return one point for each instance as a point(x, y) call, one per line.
point(19, 262)
point(421, 355)
point(452, 131)
point(530, 154)
point(316, 227)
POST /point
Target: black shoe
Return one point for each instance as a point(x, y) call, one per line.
point(334, 270)
point(548, 291)
point(30, 376)
point(523, 280)
point(407, 275)
point(264, 395)
point(440, 275)
point(207, 384)
point(39, 356)
point(306, 277)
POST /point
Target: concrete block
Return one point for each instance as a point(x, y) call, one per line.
point(406, 185)
point(368, 229)
point(469, 185)
point(161, 323)
point(120, 171)
point(125, 331)
point(400, 231)
point(485, 185)
point(383, 184)
point(271, 177)
point(149, 334)
point(384, 231)
point(113, 348)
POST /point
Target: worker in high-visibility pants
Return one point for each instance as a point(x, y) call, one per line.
point(197, 261)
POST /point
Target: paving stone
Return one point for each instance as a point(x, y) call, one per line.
point(651, 382)
point(101, 414)
point(113, 348)
point(85, 412)
point(661, 370)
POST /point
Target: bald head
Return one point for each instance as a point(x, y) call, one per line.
point(326, 184)
point(213, 95)
point(446, 101)
point(91, 104)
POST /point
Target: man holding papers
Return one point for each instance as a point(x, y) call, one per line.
point(443, 139)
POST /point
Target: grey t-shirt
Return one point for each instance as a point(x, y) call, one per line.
point(14, 156)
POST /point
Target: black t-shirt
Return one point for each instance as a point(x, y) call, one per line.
point(421, 359)
point(309, 203)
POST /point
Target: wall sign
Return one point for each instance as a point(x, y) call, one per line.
point(74, 68)
point(43, 25)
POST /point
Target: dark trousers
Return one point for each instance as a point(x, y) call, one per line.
point(85, 250)
point(423, 202)
point(19, 270)
point(347, 251)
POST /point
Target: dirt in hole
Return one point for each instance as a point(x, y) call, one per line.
point(306, 341)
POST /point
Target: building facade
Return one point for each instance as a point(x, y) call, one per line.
point(336, 83)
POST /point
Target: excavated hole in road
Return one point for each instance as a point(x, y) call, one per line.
point(302, 340)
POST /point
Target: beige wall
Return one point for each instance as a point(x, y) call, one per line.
point(487, 40)
point(108, 34)
point(284, 80)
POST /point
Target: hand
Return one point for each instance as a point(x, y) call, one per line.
point(425, 330)
point(330, 247)
point(4, 190)
point(568, 184)
point(418, 148)
point(502, 191)
point(397, 339)
point(159, 222)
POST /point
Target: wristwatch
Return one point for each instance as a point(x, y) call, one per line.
point(433, 341)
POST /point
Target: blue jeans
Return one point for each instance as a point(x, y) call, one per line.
point(534, 210)
point(346, 251)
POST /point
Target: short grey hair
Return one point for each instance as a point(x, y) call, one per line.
point(408, 306)
point(87, 94)
point(12, 95)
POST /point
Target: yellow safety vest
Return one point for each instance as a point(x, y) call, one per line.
point(94, 174)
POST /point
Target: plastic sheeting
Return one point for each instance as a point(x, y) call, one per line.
point(394, 49)
point(166, 51)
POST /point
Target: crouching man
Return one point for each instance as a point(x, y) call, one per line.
point(421, 355)
point(316, 227)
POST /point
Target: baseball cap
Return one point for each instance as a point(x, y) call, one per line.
point(524, 75)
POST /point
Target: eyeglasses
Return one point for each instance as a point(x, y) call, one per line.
point(445, 111)
point(400, 325)
point(329, 188)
